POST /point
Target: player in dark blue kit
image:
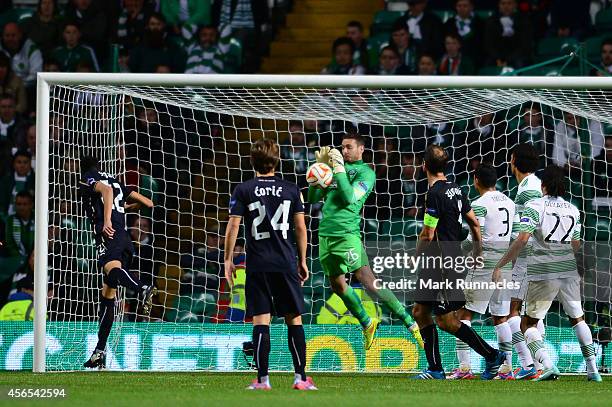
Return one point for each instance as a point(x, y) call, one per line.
point(104, 200)
point(272, 210)
point(437, 291)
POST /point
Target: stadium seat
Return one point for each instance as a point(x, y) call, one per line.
point(370, 228)
point(15, 15)
point(553, 47)
point(444, 14)
point(491, 70)
point(233, 62)
point(383, 21)
point(603, 21)
point(602, 229)
point(593, 48)
point(484, 14)
point(375, 43)
point(398, 229)
point(548, 70)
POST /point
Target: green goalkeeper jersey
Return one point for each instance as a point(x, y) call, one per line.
point(344, 199)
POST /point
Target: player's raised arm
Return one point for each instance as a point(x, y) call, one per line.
point(315, 194)
point(107, 197)
point(301, 240)
point(231, 233)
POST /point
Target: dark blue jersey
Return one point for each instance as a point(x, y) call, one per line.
point(268, 205)
point(94, 205)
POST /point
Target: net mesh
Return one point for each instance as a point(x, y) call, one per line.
point(186, 148)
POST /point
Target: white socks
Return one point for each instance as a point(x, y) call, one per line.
point(463, 350)
point(518, 340)
point(536, 346)
point(583, 333)
point(504, 340)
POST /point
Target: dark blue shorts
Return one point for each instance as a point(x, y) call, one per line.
point(275, 293)
point(119, 248)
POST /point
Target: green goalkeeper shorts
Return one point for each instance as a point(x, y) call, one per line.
point(341, 254)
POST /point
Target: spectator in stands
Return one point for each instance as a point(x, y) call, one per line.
point(414, 185)
point(73, 52)
point(20, 227)
point(44, 28)
point(602, 169)
point(508, 37)
point(454, 62)
point(12, 126)
point(11, 84)
point(163, 69)
point(249, 20)
point(142, 238)
point(202, 265)
point(296, 152)
point(485, 137)
point(469, 27)
point(605, 66)
point(124, 60)
point(400, 39)
point(209, 54)
point(427, 65)
point(28, 143)
point(156, 49)
point(184, 17)
point(570, 18)
point(389, 63)
point(51, 65)
point(566, 147)
point(354, 30)
point(132, 21)
point(94, 24)
point(343, 50)
point(20, 306)
point(26, 58)
point(532, 130)
point(19, 180)
point(425, 28)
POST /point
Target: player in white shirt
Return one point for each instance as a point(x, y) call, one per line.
point(552, 270)
point(525, 161)
point(495, 212)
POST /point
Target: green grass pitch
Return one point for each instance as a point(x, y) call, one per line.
point(211, 389)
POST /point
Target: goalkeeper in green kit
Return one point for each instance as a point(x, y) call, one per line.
point(341, 250)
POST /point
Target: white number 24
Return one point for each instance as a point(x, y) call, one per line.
point(282, 211)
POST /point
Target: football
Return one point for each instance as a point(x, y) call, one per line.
point(319, 175)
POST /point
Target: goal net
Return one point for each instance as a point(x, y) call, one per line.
point(187, 147)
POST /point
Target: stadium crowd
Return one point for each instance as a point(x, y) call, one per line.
point(477, 37)
point(224, 36)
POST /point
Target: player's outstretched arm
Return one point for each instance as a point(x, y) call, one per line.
point(301, 239)
point(137, 200)
point(231, 233)
point(512, 254)
point(107, 197)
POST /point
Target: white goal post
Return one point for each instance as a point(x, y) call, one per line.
point(561, 91)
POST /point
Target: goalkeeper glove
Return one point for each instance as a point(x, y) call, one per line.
point(322, 155)
point(336, 161)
